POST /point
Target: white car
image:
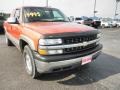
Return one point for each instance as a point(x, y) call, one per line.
point(118, 24)
point(106, 24)
point(114, 23)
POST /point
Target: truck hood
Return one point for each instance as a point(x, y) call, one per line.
point(57, 27)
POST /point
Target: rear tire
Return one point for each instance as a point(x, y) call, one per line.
point(30, 62)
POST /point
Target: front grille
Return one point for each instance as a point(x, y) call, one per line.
point(79, 49)
point(78, 39)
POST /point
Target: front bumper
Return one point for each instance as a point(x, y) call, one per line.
point(63, 64)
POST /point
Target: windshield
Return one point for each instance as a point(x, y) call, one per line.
point(107, 20)
point(38, 14)
point(95, 18)
point(84, 18)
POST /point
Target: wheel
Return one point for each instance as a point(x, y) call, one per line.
point(117, 26)
point(103, 26)
point(111, 26)
point(96, 26)
point(29, 62)
point(8, 42)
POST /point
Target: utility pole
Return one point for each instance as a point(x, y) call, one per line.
point(47, 3)
point(94, 8)
point(116, 8)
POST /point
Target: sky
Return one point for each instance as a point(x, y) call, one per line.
point(105, 8)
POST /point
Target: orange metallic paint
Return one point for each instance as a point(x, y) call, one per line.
point(37, 30)
point(57, 27)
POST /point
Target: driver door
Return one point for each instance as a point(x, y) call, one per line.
point(16, 28)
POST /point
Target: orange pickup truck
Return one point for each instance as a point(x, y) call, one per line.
point(49, 42)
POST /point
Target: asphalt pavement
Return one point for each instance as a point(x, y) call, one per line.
point(102, 74)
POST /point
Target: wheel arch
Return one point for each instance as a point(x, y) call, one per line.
point(24, 40)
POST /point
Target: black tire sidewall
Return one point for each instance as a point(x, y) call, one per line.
point(27, 50)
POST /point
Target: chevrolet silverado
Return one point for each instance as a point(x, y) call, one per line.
point(49, 42)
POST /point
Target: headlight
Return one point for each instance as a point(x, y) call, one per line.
point(50, 52)
point(99, 35)
point(46, 42)
point(50, 41)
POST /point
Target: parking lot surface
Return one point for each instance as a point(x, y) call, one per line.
point(103, 74)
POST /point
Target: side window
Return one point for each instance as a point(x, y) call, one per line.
point(56, 14)
point(17, 14)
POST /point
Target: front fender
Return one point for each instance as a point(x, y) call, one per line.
point(29, 41)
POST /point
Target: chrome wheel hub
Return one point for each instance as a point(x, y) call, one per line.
point(28, 63)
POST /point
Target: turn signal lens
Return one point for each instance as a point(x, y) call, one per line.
point(42, 52)
point(50, 52)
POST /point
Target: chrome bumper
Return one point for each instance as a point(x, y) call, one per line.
point(47, 67)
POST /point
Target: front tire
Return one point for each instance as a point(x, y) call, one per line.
point(29, 62)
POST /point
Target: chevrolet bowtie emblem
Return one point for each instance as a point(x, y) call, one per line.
point(85, 43)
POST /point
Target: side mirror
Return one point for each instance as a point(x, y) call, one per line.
point(12, 20)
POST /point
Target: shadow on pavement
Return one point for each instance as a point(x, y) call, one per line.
point(102, 68)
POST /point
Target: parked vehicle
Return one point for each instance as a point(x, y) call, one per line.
point(105, 23)
point(1, 23)
point(118, 24)
point(49, 42)
point(83, 20)
point(96, 22)
point(117, 21)
point(114, 23)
